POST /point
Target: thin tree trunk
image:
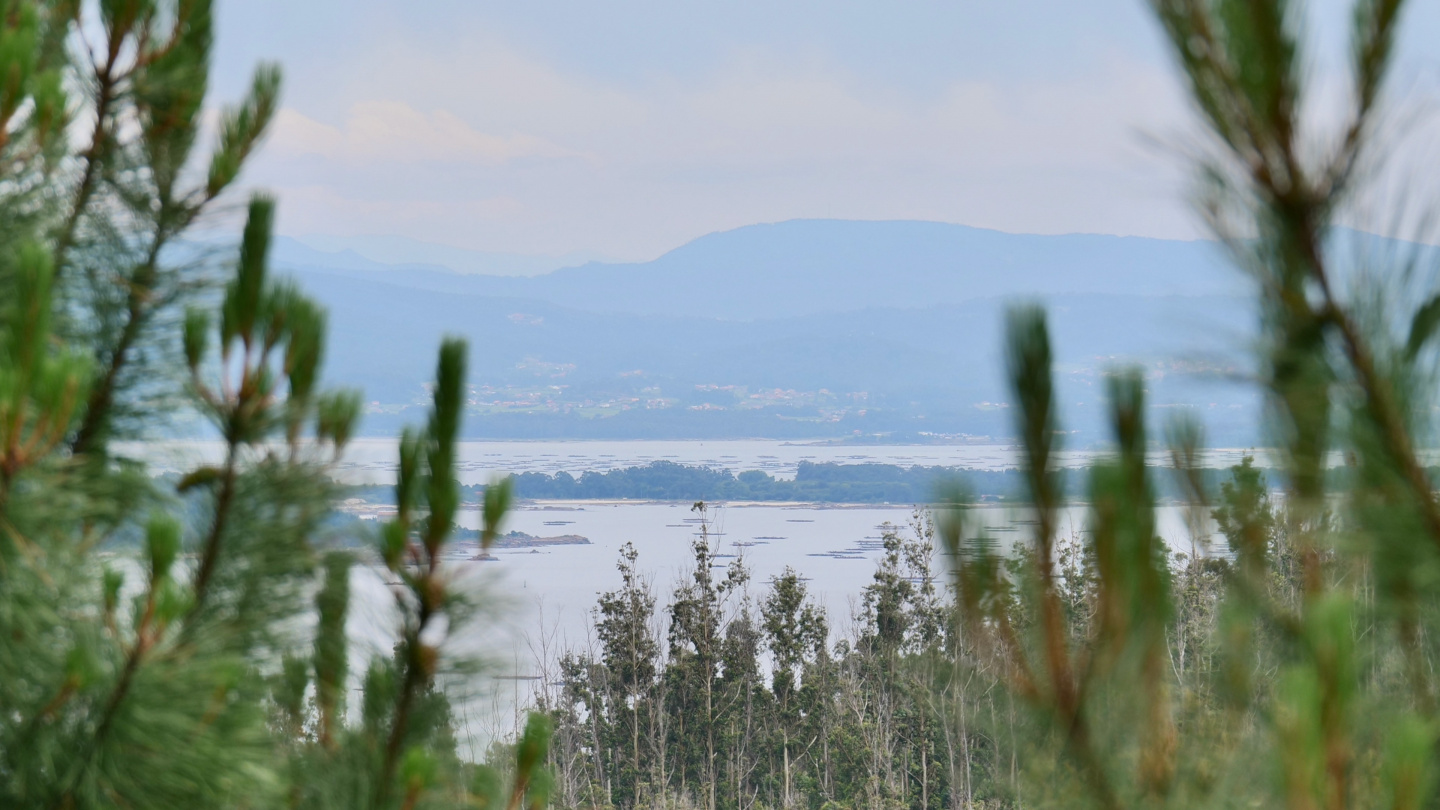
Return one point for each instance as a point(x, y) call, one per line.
point(967, 795)
point(786, 745)
point(925, 776)
point(710, 736)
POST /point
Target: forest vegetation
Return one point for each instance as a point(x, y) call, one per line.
point(753, 689)
point(1287, 662)
point(211, 668)
point(829, 483)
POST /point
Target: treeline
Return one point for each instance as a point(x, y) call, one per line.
point(725, 697)
point(728, 694)
point(815, 483)
point(819, 483)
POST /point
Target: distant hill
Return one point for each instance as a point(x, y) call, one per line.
point(917, 369)
point(804, 267)
point(802, 329)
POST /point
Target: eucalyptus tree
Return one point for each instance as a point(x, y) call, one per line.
point(697, 637)
point(630, 654)
point(796, 633)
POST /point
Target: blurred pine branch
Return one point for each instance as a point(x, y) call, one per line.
point(190, 673)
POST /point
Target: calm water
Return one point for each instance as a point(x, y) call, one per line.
point(837, 549)
point(373, 460)
point(538, 602)
point(549, 592)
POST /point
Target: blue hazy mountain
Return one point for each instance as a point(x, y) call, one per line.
point(803, 267)
point(800, 329)
point(807, 266)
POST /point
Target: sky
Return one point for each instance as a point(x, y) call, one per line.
point(625, 128)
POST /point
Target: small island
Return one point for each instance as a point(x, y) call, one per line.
point(523, 540)
point(468, 542)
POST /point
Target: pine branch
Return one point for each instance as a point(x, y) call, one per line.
point(107, 80)
point(90, 436)
point(210, 553)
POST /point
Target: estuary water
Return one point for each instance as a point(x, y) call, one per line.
point(551, 590)
point(537, 602)
point(372, 461)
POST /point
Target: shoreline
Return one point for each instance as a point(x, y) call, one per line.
point(369, 510)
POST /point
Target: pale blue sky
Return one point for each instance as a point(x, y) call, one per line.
point(630, 126)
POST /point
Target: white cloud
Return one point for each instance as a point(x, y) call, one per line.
point(630, 127)
point(394, 131)
point(322, 209)
point(634, 168)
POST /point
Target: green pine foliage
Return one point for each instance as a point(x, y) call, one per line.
point(1290, 663)
point(181, 642)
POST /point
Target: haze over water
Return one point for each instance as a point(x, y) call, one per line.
point(541, 599)
point(372, 461)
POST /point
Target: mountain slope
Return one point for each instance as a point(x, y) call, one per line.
point(808, 266)
point(548, 370)
point(804, 267)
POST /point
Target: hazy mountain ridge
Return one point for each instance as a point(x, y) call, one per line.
point(802, 328)
point(806, 266)
point(938, 362)
point(802, 267)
